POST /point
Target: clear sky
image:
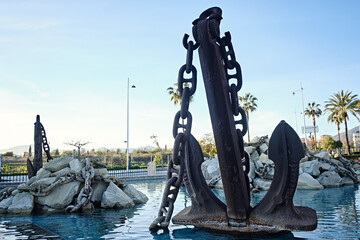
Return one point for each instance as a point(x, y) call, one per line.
point(69, 61)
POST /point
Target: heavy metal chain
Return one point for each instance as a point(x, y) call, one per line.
point(230, 63)
point(45, 143)
point(181, 133)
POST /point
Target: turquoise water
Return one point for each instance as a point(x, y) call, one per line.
point(338, 212)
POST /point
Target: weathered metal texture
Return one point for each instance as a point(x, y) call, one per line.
point(206, 207)
point(277, 208)
point(223, 124)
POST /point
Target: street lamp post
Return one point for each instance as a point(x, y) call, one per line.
point(127, 126)
point(302, 98)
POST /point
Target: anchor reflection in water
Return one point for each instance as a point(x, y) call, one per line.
point(275, 212)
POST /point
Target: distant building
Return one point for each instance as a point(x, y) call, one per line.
point(356, 139)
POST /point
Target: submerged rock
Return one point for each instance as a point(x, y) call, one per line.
point(114, 197)
point(307, 182)
point(21, 203)
point(135, 195)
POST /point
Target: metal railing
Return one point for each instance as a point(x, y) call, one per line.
point(14, 177)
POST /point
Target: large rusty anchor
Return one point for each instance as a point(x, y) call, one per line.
point(276, 212)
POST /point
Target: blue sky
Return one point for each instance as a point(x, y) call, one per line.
point(69, 62)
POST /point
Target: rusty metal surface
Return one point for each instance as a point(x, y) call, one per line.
point(223, 124)
point(277, 207)
point(276, 211)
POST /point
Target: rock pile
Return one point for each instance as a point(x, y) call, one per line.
point(71, 185)
point(316, 171)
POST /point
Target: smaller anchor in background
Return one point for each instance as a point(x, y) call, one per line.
point(40, 143)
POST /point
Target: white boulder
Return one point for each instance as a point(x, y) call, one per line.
point(42, 173)
point(61, 196)
point(210, 169)
point(114, 197)
point(263, 148)
point(311, 167)
point(76, 166)
point(249, 149)
point(58, 163)
point(22, 203)
point(61, 172)
point(262, 184)
point(5, 203)
point(330, 179)
point(98, 190)
point(135, 195)
point(307, 182)
point(265, 159)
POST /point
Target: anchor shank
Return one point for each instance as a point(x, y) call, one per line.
point(216, 86)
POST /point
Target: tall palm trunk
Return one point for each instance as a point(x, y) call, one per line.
point(314, 129)
point(347, 137)
point(338, 128)
point(248, 129)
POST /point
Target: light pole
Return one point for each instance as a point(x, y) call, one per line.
point(127, 124)
point(302, 97)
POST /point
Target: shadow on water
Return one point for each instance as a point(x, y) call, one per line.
point(198, 234)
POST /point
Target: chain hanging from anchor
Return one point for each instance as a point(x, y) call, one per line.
point(230, 63)
point(45, 143)
point(181, 133)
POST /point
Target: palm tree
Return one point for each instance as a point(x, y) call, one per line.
point(174, 93)
point(313, 111)
point(343, 103)
point(249, 105)
point(335, 118)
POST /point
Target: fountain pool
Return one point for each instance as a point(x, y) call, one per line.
point(338, 211)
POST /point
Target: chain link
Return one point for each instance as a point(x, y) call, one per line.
point(186, 87)
point(230, 63)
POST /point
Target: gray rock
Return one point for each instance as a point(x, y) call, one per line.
point(330, 179)
point(76, 165)
point(210, 169)
point(307, 182)
point(323, 154)
point(255, 139)
point(325, 167)
point(114, 197)
point(98, 190)
point(42, 173)
point(311, 167)
point(265, 159)
point(61, 172)
point(270, 174)
point(251, 173)
point(137, 196)
point(16, 191)
point(61, 196)
point(249, 149)
point(356, 166)
point(43, 182)
point(262, 184)
point(219, 184)
point(347, 181)
point(22, 203)
point(258, 164)
point(101, 171)
point(255, 156)
point(263, 148)
point(57, 164)
point(5, 203)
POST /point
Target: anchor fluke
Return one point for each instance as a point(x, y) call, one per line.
point(277, 207)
